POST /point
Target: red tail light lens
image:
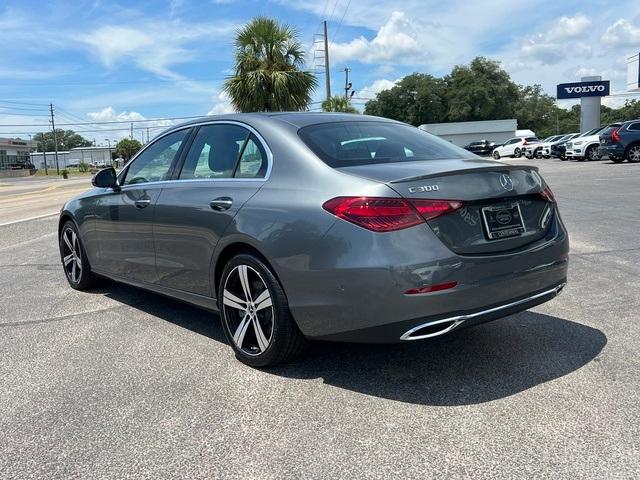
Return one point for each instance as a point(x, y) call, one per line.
point(524, 142)
point(430, 209)
point(431, 288)
point(547, 195)
point(380, 214)
point(615, 136)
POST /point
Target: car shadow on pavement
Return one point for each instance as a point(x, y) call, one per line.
point(474, 365)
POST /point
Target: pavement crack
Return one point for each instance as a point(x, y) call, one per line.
point(60, 318)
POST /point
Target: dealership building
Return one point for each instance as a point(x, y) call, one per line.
point(73, 157)
point(463, 133)
point(14, 152)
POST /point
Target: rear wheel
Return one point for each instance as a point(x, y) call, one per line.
point(74, 260)
point(255, 314)
point(633, 154)
point(496, 155)
point(517, 153)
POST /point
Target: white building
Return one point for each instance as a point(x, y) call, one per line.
point(463, 133)
point(72, 158)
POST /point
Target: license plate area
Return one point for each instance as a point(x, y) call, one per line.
point(503, 221)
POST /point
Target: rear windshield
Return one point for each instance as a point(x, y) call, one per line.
point(607, 130)
point(344, 144)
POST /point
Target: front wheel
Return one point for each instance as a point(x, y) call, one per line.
point(74, 260)
point(633, 154)
point(592, 153)
point(255, 314)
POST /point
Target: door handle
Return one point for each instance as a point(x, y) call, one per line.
point(221, 203)
point(143, 203)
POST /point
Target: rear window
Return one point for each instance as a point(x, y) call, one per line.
point(532, 139)
point(344, 144)
point(608, 130)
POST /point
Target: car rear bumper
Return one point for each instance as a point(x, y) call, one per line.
point(355, 290)
point(611, 150)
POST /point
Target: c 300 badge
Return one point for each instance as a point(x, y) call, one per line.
point(424, 188)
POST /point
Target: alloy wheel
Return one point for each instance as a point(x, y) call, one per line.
point(71, 255)
point(248, 310)
point(634, 154)
point(593, 154)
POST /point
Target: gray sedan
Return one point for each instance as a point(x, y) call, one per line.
point(298, 226)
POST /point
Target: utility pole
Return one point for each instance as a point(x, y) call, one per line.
point(147, 134)
point(55, 139)
point(347, 85)
point(131, 130)
point(327, 74)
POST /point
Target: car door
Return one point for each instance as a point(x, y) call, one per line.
point(124, 216)
point(508, 147)
point(225, 166)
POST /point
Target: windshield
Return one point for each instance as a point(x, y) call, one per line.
point(593, 131)
point(344, 144)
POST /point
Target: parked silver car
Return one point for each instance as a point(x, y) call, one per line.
point(301, 226)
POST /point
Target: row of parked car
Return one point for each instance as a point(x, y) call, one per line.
point(618, 141)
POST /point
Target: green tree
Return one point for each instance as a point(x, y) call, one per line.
point(480, 91)
point(338, 104)
point(127, 148)
point(537, 111)
point(67, 139)
point(268, 73)
point(416, 99)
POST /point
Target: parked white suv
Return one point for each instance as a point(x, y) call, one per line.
point(585, 146)
point(514, 147)
point(541, 149)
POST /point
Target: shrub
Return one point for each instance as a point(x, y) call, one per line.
point(83, 167)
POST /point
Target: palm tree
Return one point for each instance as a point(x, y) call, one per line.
point(338, 104)
point(268, 72)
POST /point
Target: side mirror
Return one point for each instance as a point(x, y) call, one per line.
point(106, 178)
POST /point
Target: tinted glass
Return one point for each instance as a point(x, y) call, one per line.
point(532, 139)
point(214, 152)
point(609, 129)
point(343, 144)
point(634, 126)
point(253, 161)
point(154, 163)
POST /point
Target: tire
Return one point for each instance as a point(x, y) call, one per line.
point(496, 155)
point(74, 259)
point(261, 332)
point(632, 155)
point(592, 153)
point(517, 153)
point(617, 159)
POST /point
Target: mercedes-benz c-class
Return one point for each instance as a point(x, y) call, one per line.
point(303, 226)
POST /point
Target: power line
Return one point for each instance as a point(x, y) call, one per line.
point(337, 29)
point(25, 103)
point(104, 123)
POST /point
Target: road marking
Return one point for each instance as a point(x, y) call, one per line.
point(29, 219)
point(44, 190)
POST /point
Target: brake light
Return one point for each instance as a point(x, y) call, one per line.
point(524, 142)
point(547, 195)
point(380, 214)
point(615, 136)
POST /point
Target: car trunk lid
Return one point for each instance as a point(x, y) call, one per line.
point(503, 205)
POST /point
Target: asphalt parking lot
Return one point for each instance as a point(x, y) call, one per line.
point(121, 383)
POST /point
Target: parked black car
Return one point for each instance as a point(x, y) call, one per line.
point(621, 141)
point(559, 148)
point(482, 147)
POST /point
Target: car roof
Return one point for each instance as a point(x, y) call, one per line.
point(297, 119)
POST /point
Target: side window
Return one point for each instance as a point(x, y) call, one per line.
point(154, 164)
point(214, 152)
point(634, 126)
point(253, 162)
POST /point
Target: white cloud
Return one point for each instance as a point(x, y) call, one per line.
point(117, 131)
point(395, 40)
point(551, 45)
point(222, 105)
point(155, 46)
point(376, 87)
point(622, 34)
point(108, 114)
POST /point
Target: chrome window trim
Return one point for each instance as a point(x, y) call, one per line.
point(205, 123)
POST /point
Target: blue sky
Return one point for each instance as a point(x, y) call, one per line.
point(109, 61)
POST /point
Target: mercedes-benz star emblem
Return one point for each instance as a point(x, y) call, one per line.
point(506, 182)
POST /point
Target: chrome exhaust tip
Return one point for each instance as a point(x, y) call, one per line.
point(432, 329)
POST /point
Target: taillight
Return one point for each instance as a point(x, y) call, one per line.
point(547, 195)
point(431, 288)
point(524, 142)
point(380, 214)
point(615, 136)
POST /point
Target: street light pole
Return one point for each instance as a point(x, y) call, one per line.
point(110, 156)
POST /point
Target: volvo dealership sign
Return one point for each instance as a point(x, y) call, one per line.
point(595, 88)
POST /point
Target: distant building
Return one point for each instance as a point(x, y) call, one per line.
point(14, 152)
point(463, 133)
point(66, 159)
